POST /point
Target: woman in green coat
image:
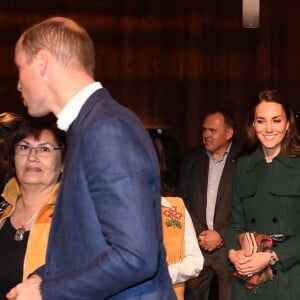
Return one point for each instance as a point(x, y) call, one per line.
point(267, 200)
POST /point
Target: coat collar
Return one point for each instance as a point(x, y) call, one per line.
point(12, 191)
point(258, 156)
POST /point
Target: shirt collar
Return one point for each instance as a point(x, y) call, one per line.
point(224, 155)
point(69, 113)
point(165, 202)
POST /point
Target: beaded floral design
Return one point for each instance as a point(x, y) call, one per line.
point(3, 205)
point(173, 217)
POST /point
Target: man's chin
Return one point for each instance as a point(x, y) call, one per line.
point(36, 114)
point(208, 148)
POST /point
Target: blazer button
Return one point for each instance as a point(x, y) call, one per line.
point(274, 220)
point(253, 220)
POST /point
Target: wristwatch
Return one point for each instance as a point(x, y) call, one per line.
point(273, 261)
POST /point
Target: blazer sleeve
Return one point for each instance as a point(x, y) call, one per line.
point(122, 177)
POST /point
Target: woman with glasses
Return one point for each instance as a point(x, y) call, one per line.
point(28, 199)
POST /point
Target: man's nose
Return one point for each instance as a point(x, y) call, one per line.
point(205, 132)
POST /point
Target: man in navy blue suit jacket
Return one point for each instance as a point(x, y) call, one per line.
point(105, 240)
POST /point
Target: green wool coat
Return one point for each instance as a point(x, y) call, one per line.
point(267, 199)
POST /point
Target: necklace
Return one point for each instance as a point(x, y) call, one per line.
point(19, 235)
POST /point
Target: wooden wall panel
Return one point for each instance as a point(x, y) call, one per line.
point(172, 60)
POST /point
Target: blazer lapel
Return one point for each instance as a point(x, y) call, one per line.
point(227, 171)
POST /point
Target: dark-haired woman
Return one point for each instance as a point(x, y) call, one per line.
point(28, 199)
point(267, 200)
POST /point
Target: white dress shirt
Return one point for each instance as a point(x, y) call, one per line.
point(69, 113)
point(193, 260)
point(215, 172)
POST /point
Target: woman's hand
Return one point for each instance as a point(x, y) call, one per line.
point(247, 263)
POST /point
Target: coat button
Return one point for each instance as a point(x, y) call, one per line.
point(274, 220)
point(253, 220)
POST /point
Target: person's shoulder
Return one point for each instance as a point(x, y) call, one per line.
point(101, 101)
point(290, 161)
point(236, 149)
point(250, 160)
point(192, 156)
point(194, 152)
point(103, 106)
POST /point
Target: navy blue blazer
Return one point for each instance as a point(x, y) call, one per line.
point(105, 241)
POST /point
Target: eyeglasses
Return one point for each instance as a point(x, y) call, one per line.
point(41, 151)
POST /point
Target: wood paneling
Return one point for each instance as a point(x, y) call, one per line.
point(171, 61)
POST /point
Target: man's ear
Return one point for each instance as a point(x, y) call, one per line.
point(41, 59)
point(229, 133)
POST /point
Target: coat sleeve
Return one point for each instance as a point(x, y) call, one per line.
point(237, 223)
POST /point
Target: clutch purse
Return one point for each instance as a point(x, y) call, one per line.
point(256, 242)
point(248, 242)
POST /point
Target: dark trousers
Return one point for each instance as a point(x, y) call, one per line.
point(214, 281)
